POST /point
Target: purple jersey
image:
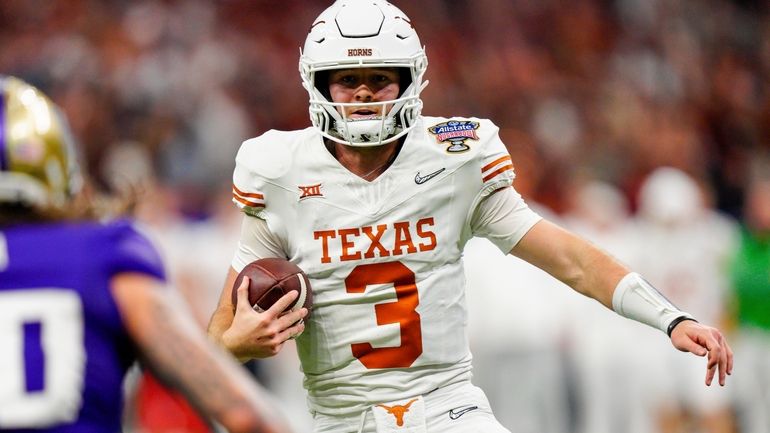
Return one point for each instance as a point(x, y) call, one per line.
point(63, 348)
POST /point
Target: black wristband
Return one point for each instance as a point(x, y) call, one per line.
point(677, 321)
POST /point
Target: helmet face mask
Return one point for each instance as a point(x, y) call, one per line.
point(38, 161)
point(355, 34)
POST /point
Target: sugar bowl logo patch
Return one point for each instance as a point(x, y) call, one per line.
point(455, 132)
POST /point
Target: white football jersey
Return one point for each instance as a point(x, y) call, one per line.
point(384, 258)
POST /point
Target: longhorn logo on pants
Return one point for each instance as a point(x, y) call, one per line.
point(398, 411)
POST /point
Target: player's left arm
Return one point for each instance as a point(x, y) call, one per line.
point(594, 273)
point(506, 220)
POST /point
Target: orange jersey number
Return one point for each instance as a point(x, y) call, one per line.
point(402, 311)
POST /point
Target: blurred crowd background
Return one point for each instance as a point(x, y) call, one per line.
point(642, 124)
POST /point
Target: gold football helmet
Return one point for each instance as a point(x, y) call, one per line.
point(38, 161)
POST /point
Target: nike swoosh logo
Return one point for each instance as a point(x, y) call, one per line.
point(460, 411)
point(419, 180)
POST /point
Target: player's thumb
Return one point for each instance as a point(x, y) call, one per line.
point(242, 298)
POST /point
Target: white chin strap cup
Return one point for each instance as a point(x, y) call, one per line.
point(373, 130)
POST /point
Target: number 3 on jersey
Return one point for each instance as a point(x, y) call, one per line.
point(403, 311)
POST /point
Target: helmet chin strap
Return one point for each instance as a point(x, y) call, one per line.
point(372, 131)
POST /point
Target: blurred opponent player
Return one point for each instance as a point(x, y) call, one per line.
point(81, 299)
point(376, 202)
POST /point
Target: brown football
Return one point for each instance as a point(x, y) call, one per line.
point(272, 278)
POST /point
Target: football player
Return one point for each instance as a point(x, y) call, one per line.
point(81, 300)
point(694, 244)
point(375, 202)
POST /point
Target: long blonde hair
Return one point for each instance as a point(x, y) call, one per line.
point(89, 204)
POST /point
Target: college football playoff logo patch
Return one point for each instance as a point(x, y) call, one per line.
point(455, 132)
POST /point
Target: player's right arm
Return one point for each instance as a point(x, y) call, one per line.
point(223, 316)
point(165, 334)
point(244, 332)
point(238, 328)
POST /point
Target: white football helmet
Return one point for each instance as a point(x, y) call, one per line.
point(363, 34)
point(38, 161)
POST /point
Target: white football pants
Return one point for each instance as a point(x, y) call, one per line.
point(459, 408)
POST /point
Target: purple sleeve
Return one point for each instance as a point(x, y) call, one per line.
point(133, 252)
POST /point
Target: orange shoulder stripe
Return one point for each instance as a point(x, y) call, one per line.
point(246, 202)
point(495, 162)
point(498, 171)
point(247, 194)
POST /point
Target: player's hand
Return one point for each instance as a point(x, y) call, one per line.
point(691, 336)
point(260, 335)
